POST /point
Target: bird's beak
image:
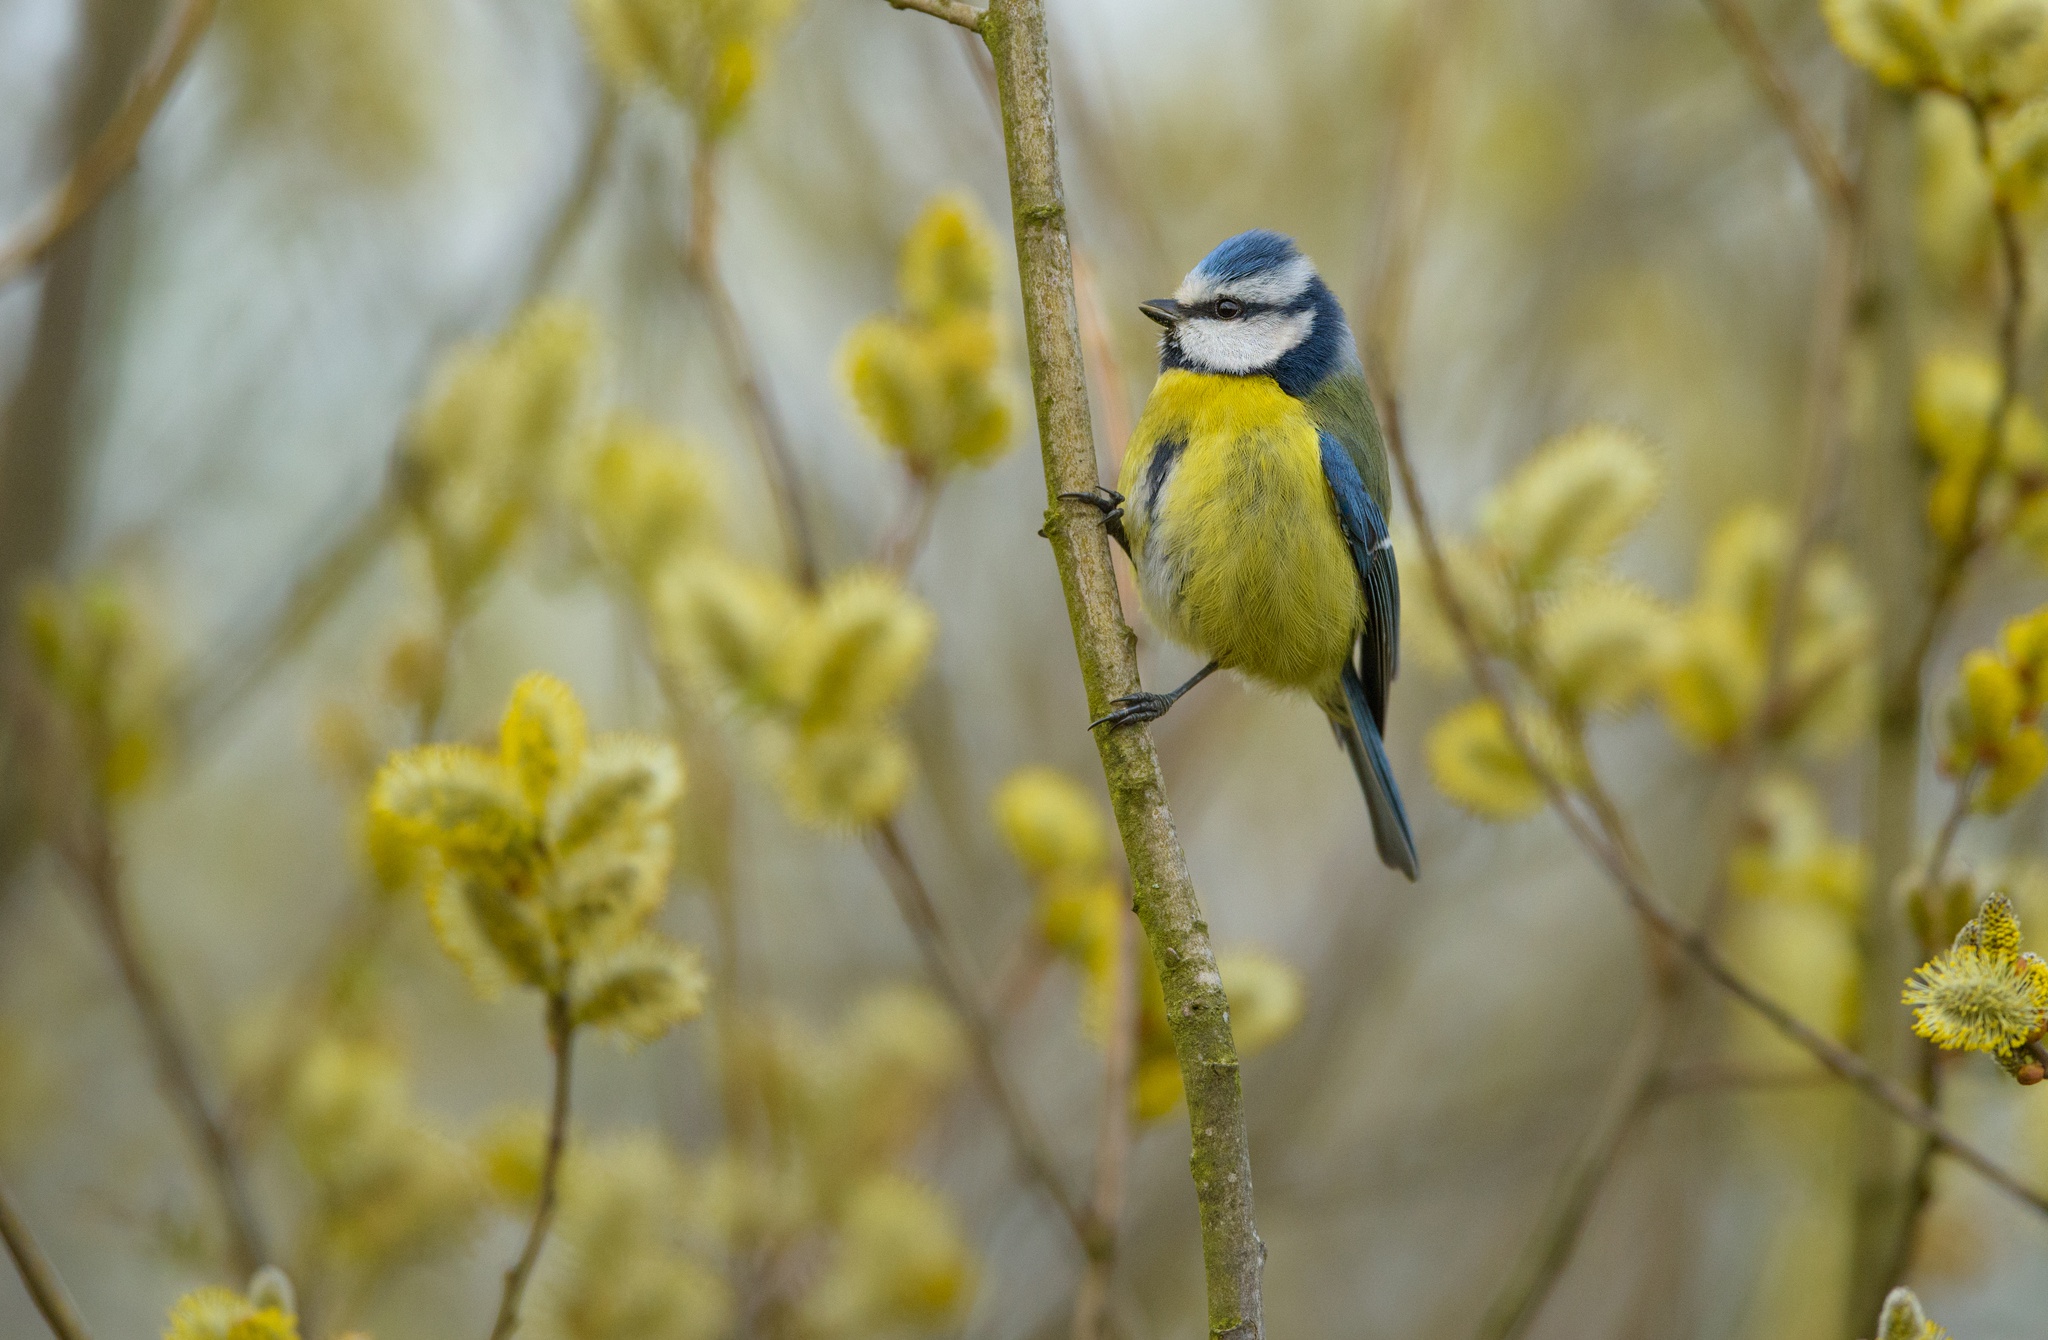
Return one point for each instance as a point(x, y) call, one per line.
point(1165, 311)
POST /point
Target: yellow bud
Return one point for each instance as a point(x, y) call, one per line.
point(1267, 997)
point(222, 1314)
point(1713, 683)
point(1987, 708)
point(626, 784)
point(1902, 1319)
point(949, 259)
point(1791, 853)
point(901, 1261)
point(2025, 640)
point(2018, 762)
point(462, 803)
point(1051, 825)
point(541, 738)
point(510, 1148)
point(1572, 501)
point(1473, 759)
point(929, 391)
point(1600, 644)
point(858, 653)
point(649, 499)
point(1896, 40)
point(845, 779)
point(726, 623)
point(640, 990)
point(1953, 209)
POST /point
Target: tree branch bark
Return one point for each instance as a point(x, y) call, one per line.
point(1197, 1012)
point(561, 1041)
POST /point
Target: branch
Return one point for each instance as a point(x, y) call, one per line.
point(1823, 169)
point(96, 866)
point(1688, 940)
point(956, 979)
point(1967, 543)
point(109, 156)
point(778, 462)
point(38, 1276)
point(1549, 1248)
point(1196, 1009)
point(952, 11)
point(1112, 1132)
point(561, 1040)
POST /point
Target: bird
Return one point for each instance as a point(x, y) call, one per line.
point(1253, 504)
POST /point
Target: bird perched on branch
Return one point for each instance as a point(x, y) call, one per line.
point(1254, 501)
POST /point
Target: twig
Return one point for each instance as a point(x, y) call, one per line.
point(1196, 1010)
point(952, 11)
point(204, 699)
point(1112, 1132)
point(955, 978)
point(1680, 1081)
point(96, 867)
point(38, 1276)
point(906, 539)
point(112, 152)
point(1690, 941)
point(1954, 563)
point(1945, 840)
point(778, 462)
point(1549, 1247)
point(561, 1041)
point(1836, 190)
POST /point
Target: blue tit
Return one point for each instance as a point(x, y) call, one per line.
point(1253, 504)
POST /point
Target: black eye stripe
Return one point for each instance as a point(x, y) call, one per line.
point(1244, 308)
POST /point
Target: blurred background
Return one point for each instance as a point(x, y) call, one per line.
point(206, 384)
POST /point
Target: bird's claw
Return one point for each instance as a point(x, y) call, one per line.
point(1103, 499)
point(1135, 709)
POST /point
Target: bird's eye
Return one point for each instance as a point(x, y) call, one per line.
point(1229, 308)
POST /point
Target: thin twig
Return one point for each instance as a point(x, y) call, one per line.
point(1113, 1130)
point(96, 867)
point(1966, 543)
point(1697, 1077)
point(561, 1032)
point(38, 1276)
point(956, 979)
point(906, 539)
point(728, 328)
point(1690, 941)
point(112, 152)
point(1836, 190)
point(1549, 1247)
point(952, 11)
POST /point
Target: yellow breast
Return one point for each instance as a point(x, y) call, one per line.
point(1234, 533)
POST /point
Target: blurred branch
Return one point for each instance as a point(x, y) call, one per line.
point(1196, 1009)
point(956, 979)
point(112, 152)
point(1549, 1246)
point(38, 1276)
point(1112, 1132)
point(561, 1031)
point(1823, 169)
point(1608, 851)
point(952, 11)
point(1956, 555)
point(1697, 1077)
point(247, 657)
point(778, 462)
point(202, 702)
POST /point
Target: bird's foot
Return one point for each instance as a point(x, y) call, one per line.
point(1103, 499)
point(1135, 709)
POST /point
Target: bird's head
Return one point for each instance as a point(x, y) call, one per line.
point(1254, 306)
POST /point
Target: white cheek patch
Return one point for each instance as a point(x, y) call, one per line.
point(1243, 345)
point(1277, 287)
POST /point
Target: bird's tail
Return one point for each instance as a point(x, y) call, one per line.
point(1352, 720)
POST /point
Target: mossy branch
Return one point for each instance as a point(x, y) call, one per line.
point(38, 1276)
point(1198, 1014)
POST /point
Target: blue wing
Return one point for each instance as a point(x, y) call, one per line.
point(1372, 553)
